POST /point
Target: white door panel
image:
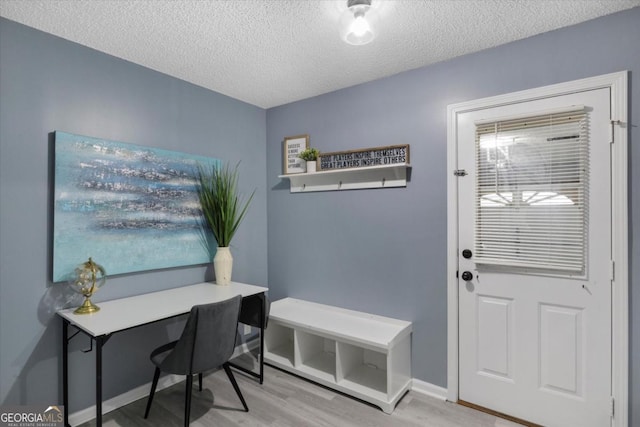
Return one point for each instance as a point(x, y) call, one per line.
point(561, 357)
point(534, 343)
point(494, 325)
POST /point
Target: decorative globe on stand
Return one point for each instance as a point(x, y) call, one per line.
point(89, 276)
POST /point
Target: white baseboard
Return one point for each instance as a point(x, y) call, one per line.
point(429, 389)
point(84, 415)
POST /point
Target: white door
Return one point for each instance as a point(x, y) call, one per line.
point(535, 301)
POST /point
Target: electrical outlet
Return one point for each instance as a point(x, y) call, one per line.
point(247, 330)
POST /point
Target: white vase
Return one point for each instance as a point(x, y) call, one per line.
point(223, 265)
point(311, 166)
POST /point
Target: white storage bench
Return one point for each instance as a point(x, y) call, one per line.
point(360, 354)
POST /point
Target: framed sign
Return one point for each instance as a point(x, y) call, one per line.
point(293, 146)
point(378, 156)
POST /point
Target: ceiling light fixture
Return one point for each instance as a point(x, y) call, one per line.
point(355, 27)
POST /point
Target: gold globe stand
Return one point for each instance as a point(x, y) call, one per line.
point(86, 278)
point(87, 307)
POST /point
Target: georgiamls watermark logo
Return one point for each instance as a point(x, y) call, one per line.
point(32, 416)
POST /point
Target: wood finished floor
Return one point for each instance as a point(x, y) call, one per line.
point(285, 400)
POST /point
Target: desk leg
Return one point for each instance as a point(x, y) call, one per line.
point(99, 342)
point(262, 320)
point(65, 370)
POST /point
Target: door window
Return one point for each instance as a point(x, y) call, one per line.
point(531, 190)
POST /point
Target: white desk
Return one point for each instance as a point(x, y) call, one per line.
point(126, 313)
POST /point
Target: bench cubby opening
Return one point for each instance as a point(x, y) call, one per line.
point(364, 369)
point(317, 355)
point(279, 344)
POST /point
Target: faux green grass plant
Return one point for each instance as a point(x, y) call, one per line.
point(222, 207)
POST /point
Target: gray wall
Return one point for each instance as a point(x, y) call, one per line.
point(50, 84)
point(384, 251)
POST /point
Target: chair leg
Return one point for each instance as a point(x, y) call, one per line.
point(154, 384)
point(187, 400)
point(227, 369)
point(200, 381)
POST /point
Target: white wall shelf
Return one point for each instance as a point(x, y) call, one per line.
point(360, 354)
point(349, 179)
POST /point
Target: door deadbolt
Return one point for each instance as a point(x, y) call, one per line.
point(467, 254)
point(467, 276)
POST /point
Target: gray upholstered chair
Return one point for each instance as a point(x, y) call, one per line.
point(254, 311)
point(207, 342)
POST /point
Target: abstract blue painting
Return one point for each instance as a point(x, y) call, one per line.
point(129, 207)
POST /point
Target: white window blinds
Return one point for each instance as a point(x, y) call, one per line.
point(531, 186)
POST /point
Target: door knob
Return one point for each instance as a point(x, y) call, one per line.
point(467, 276)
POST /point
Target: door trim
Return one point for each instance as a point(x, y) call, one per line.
point(617, 84)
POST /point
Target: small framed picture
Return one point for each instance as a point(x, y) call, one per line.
point(293, 146)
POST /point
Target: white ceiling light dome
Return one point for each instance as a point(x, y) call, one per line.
point(358, 22)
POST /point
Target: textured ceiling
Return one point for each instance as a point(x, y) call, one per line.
point(271, 52)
